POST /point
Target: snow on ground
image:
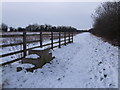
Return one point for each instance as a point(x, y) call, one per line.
point(87, 63)
point(35, 56)
point(11, 49)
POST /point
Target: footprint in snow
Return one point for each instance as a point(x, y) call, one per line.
point(111, 85)
point(101, 79)
point(105, 75)
point(42, 72)
point(103, 69)
point(99, 63)
point(90, 78)
point(51, 71)
point(59, 79)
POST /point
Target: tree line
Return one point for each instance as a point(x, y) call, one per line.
point(37, 28)
point(106, 22)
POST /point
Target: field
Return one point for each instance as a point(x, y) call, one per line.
point(32, 36)
point(87, 63)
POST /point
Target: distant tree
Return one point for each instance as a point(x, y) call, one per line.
point(12, 29)
point(34, 27)
point(41, 27)
point(66, 29)
point(46, 27)
point(53, 28)
point(4, 27)
point(20, 29)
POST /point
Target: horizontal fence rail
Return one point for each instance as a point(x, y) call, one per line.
point(60, 38)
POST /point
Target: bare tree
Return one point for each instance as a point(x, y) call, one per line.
point(106, 21)
point(4, 27)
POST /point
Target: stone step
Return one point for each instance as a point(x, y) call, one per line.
point(39, 52)
point(38, 57)
point(38, 61)
point(33, 56)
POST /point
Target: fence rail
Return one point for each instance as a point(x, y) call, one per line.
point(62, 37)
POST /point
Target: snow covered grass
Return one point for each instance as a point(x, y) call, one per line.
point(87, 63)
point(13, 40)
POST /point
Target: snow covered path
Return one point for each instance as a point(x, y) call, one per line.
point(87, 63)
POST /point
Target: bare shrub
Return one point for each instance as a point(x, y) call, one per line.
point(106, 21)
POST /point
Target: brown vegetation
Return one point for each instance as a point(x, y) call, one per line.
point(106, 22)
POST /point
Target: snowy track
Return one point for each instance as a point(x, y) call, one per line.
point(87, 63)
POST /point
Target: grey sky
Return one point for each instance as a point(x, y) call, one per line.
point(76, 14)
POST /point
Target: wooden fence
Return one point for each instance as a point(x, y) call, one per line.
point(63, 39)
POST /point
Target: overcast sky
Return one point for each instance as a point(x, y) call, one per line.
point(75, 14)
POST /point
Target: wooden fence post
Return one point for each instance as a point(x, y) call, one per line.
point(59, 39)
point(41, 39)
point(51, 39)
point(24, 43)
point(72, 37)
point(64, 38)
point(69, 37)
